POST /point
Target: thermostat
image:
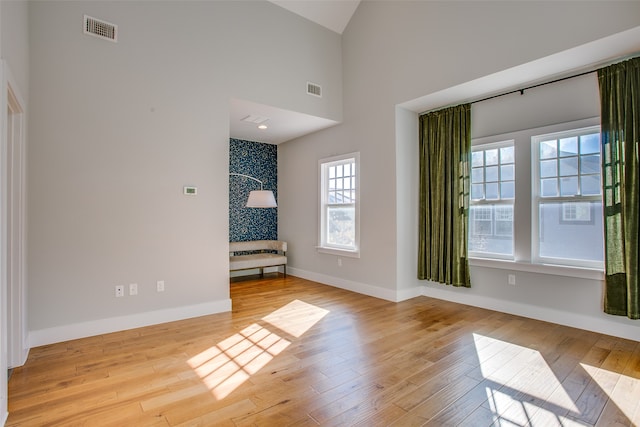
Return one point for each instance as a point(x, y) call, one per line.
point(190, 191)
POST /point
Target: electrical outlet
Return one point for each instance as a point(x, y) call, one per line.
point(512, 279)
point(160, 286)
point(133, 289)
point(119, 291)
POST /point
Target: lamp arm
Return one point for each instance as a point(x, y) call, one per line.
point(247, 176)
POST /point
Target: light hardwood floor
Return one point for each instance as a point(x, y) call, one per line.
point(295, 352)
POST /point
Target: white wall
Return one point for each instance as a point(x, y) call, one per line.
point(116, 131)
point(394, 52)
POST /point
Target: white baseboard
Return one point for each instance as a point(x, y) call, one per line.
point(614, 327)
point(358, 287)
point(603, 325)
point(22, 359)
point(115, 324)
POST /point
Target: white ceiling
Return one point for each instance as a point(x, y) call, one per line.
point(284, 125)
point(332, 14)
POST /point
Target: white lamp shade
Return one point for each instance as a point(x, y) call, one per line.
point(261, 199)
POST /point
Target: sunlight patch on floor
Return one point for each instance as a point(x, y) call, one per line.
point(296, 318)
point(227, 365)
point(621, 389)
point(522, 383)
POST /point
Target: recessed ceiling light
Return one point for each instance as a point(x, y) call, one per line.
point(263, 126)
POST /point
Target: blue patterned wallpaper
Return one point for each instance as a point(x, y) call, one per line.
point(260, 161)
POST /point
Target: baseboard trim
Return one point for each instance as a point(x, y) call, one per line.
point(604, 326)
point(358, 287)
point(621, 328)
point(24, 355)
point(121, 323)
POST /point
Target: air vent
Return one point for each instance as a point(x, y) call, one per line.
point(314, 89)
point(254, 119)
point(101, 29)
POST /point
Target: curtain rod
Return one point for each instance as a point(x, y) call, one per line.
point(534, 86)
point(521, 91)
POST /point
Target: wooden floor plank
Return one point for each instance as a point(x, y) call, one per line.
point(365, 362)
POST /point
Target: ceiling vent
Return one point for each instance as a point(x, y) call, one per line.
point(314, 89)
point(254, 119)
point(101, 29)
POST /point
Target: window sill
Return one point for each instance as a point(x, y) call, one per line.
point(338, 252)
point(555, 270)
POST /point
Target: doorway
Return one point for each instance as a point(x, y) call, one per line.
point(15, 227)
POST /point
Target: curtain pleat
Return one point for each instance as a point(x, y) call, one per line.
point(445, 150)
point(620, 115)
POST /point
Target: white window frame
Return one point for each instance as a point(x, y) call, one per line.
point(537, 199)
point(323, 167)
point(523, 208)
point(495, 202)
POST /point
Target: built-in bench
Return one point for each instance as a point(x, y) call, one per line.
point(257, 254)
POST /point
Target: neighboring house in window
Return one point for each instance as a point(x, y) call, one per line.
point(339, 205)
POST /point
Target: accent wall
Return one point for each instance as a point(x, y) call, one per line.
point(260, 161)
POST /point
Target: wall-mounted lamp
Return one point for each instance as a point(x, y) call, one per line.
point(259, 198)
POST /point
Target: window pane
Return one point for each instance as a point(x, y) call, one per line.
point(549, 187)
point(548, 168)
point(507, 155)
point(332, 172)
point(491, 174)
point(491, 191)
point(590, 143)
point(492, 178)
point(569, 146)
point(548, 149)
point(347, 169)
point(491, 157)
point(332, 184)
point(590, 164)
point(339, 171)
point(569, 186)
point(508, 190)
point(578, 240)
point(491, 229)
point(477, 175)
point(347, 183)
point(507, 173)
point(339, 183)
point(590, 185)
point(477, 158)
point(477, 191)
point(569, 166)
point(341, 226)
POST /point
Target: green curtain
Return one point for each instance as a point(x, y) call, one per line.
point(445, 151)
point(620, 111)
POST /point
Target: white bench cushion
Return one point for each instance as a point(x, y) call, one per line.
point(242, 258)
